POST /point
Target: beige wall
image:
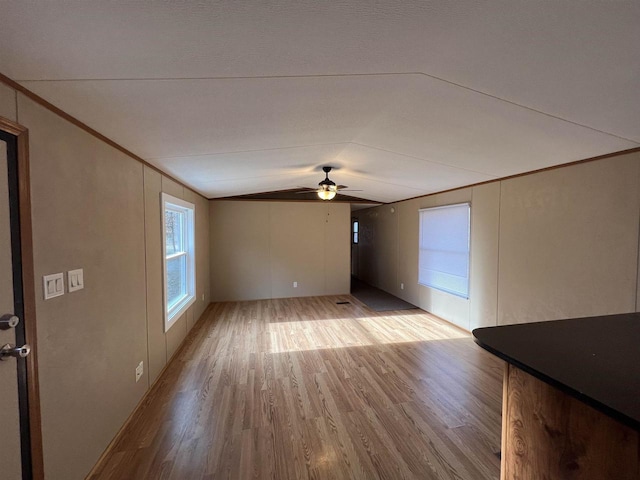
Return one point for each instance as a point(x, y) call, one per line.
point(98, 209)
point(7, 102)
point(87, 213)
point(483, 278)
point(258, 249)
point(569, 242)
point(556, 244)
point(163, 345)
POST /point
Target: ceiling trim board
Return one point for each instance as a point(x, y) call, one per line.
point(318, 167)
point(270, 192)
point(524, 174)
point(294, 191)
point(375, 74)
point(44, 103)
point(233, 199)
point(253, 150)
point(421, 159)
point(227, 77)
point(83, 126)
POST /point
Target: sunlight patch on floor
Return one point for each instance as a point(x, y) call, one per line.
point(319, 334)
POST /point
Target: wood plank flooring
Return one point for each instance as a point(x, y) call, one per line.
point(305, 388)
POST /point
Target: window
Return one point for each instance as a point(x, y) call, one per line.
point(178, 248)
point(444, 248)
point(355, 230)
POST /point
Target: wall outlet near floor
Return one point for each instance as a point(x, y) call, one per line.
point(139, 371)
point(295, 284)
point(203, 297)
point(402, 286)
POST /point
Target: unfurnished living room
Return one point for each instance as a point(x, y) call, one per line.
point(342, 239)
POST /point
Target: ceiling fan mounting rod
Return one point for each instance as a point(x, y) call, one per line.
point(327, 183)
point(328, 189)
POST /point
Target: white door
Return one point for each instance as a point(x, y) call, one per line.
point(10, 460)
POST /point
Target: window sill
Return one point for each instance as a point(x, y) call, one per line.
point(177, 311)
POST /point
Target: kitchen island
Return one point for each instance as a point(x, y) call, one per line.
point(571, 397)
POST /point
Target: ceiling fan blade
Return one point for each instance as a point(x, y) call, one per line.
point(325, 186)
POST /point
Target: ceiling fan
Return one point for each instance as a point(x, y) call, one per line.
point(327, 188)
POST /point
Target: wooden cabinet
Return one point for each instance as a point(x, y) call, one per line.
point(547, 434)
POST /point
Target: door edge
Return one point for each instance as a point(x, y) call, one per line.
point(21, 135)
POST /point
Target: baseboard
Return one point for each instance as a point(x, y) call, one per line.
point(142, 401)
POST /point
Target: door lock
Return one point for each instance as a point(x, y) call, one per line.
point(8, 321)
point(9, 350)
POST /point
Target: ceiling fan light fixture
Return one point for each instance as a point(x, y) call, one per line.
point(327, 188)
point(326, 194)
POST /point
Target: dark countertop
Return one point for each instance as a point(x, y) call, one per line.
point(595, 359)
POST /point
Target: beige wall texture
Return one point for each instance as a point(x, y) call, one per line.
point(258, 249)
point(98, 209)
point(556, 244)
point(8, 98)
point(163, 345)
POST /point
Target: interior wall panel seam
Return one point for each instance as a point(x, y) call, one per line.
point(325, 247)
point(497, 319)
point(470, 273)
point(15, 98)
point(166, 332)
point(269, 252)
point(638, 241)
point(146, 274)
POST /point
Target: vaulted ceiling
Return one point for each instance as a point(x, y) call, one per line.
point(404, 98)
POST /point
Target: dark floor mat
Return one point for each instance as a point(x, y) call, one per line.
point(377, 299)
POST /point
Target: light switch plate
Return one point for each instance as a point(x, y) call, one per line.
point(53, 285)
point(75, 280)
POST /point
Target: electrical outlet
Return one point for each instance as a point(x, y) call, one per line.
point(402, 286)
point(203, 297)
point(295, 284)
point(139, 371)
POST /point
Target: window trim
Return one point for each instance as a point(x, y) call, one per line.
point(442, 289)
point(179, 308)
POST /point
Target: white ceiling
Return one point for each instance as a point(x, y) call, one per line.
point(404, 97)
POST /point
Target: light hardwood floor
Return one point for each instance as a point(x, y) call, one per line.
point(306, 388)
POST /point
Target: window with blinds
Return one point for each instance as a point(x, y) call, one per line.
point(444, 248)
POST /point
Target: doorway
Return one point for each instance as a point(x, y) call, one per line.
point(21, 441)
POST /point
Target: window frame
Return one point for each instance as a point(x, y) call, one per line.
point(178, 308)
point(355, 233)
point(421, 249)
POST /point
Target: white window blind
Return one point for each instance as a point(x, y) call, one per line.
point(444, 248)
